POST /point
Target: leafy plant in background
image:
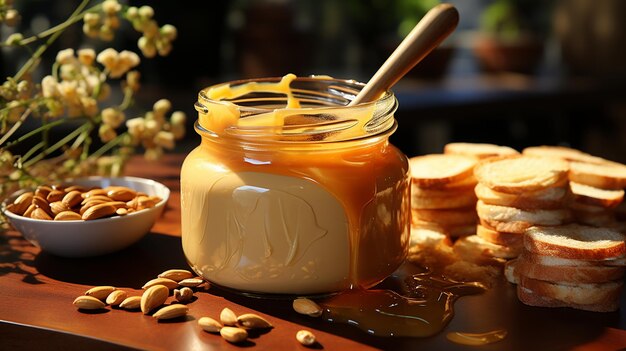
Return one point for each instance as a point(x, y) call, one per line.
point(508, 20)
point(76, 93)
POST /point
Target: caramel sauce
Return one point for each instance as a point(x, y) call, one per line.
point(477, 339)
point(412, 302)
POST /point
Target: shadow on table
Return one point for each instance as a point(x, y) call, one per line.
point(529, 327)
point(131, 267)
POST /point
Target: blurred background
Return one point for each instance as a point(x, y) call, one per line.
point(515, 72)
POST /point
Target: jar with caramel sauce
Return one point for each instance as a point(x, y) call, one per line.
point(293, 192)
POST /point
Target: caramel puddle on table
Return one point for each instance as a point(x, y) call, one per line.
point(477, 339)
point(408, 304)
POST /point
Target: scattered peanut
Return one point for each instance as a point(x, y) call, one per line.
point(183, 295)
point(233, 334)
point(100, 292)
point(228, 317)
point(154, 297)
point(116, 297)
point(191, 282)
point(176, 274)
point(169, 283)
point(253, 321)
point(209, 324)
point(171, 312)
point(88, 303)
point(305, 337)
point(308, 307)
point(131, 303)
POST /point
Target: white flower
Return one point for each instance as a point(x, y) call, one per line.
point(69, 91)
point(91, 18)
point(107, 58)
point(49, 87)
point(151, 128)
point(169, 32)
point(11, 17)
point(113, 117)
point(65, 56)
point(162, 106)
point(111, 7)
point(164, 139)
point(106, 133)
point(135, 127)
point(128, 59)
point(90, 106)
point(86, 56)
point(68, 71)
point(146, 12)
point(132, 80)
point(132, 13)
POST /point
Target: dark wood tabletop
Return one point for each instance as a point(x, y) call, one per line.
point(37, 290)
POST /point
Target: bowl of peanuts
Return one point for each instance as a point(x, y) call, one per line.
point(87, 216)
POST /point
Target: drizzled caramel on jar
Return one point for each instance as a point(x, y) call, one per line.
point(410, 303)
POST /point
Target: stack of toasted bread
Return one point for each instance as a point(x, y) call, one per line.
point(570, 266)
point(596, 185)
point(518, 192)
point(442, 193)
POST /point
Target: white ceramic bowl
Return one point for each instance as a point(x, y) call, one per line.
point(93, 237)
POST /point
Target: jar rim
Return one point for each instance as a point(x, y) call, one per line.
point(324, 117)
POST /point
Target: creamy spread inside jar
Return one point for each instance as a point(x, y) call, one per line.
point(293, 192)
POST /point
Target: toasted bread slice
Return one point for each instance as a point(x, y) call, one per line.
point(466, 184)
point(589, 195)
point(510, 271)
point(550, 198)
point(583, 274)
point(506, 227)
point(559, 261)
point(520, 174)
point(453, 200)
point(439, 170)
point(562, 152)
point(529, 297)
point(428, 237)
point(453, 231)
point(605, 176)
point(478, 150)
point(576, 242)
point(468, 247)
point(511, 214)
point(500, 238)
point(449, 218)
point(579, 294)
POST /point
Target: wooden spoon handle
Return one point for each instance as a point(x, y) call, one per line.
point(434, 27)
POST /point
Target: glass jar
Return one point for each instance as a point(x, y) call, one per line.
point(305, 201)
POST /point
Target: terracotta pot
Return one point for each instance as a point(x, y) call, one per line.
point(520, 56)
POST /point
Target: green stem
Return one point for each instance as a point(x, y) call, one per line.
point(15, 127)
point(35, 132)
point(32, 150)
point(108, 146)
point(60, 143)
point(59, 27)
point(128, 99)
point(41, 49)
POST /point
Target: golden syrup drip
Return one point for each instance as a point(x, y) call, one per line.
point(474, 339)
point(414, 305)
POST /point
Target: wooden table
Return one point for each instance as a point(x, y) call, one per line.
point(37, 290)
